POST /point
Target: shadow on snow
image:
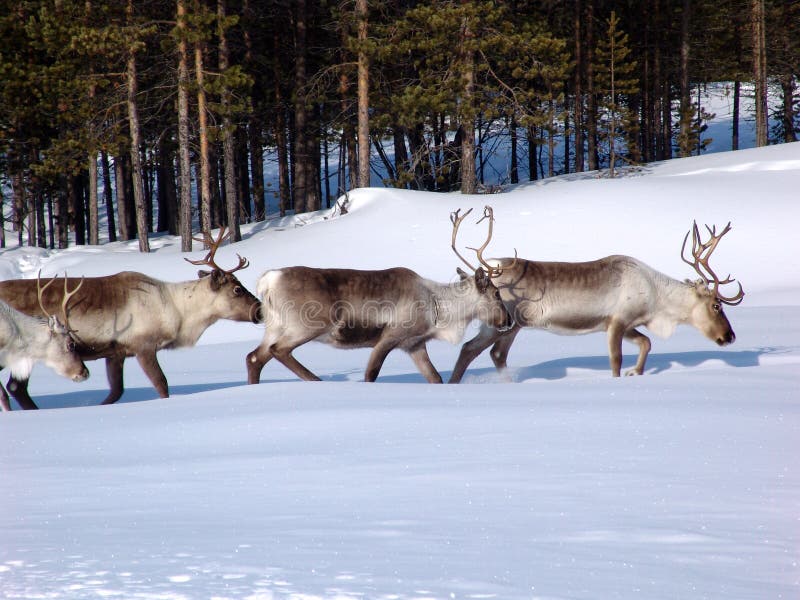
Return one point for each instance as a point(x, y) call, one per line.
point(549, 370)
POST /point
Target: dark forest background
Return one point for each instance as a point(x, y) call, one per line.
point(159, 114)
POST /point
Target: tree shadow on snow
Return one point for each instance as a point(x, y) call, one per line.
point(656, 363)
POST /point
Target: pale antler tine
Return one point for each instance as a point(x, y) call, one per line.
point(456, 220)
point(65, 300)
point(488, 213)
point(735, 299)
point(40, 292)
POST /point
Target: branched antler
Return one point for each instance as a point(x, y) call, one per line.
point(701, 252)
point(64, 300)
point(456, 220)
point(488, 213)
point(213, 245)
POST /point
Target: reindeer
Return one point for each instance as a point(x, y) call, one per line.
point(615, 294)
point(132, 314)
point(24, 340)
point(382, 310)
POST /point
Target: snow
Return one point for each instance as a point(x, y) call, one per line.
point(551, 481)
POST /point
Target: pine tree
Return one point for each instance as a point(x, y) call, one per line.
point(615, 80)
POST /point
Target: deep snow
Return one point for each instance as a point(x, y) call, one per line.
point(555, 481)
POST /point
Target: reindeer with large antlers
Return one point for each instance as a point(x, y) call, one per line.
point(132, 314)
point(382, 310)
point(615, 294)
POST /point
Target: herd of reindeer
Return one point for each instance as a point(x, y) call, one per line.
point(65, 321)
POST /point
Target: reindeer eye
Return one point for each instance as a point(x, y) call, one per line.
point(716, 307)
point(237, 291)
point(71, 346)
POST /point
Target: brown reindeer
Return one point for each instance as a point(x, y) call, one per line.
point(25, 340)
point(133, 314)
point(615, 294)
point(382, 310)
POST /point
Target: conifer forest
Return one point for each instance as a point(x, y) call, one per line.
point(122, 119)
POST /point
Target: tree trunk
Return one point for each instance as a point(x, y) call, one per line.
point(551, 142)
point(62, 217)
point(363, 96)
point(185, 165)
point(228, 130)
point(533, 172)
point(760, 71)
point(281, 140)
point(512, 127)
point(76, 208)
point(108, 197)
point(302, 187)
point(256, 144)
point(579, 67)
point(205, 165)
point(467, 118)
point(685, 145)
point(591, 97)
point(735, 118)
point(94, 227)
point(136, 164)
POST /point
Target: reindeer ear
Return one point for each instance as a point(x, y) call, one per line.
point(203, 273)
point(461, 273)
point(482, 280)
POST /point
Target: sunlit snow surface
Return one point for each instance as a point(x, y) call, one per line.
point(551, 481)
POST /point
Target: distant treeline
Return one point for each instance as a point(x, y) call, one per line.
point(160, 113)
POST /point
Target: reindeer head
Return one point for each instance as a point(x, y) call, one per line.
point(62, 352)
point(491, 309)
point(234, 300)
point(707, 314)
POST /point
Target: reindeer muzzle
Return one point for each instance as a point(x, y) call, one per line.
point(83, 376)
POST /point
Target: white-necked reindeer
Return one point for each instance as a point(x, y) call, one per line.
point(133, 314)
point(615, 294)
point(25, 340)
point(383, 310)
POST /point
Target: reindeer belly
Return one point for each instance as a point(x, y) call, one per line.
point(574, 325)
point(561, 317)
point(352, 336)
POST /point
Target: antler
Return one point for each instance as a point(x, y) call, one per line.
point(213, 245)
point(488, 213)
point(701, 252)
point(456, 221)
point(64, 301)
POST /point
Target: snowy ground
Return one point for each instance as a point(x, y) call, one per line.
point(554, 482)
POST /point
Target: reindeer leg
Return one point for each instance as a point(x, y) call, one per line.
point(255, 361)
point(499, 351)
point(5, 405)
point(470, 351)
point(643, 342)
point(114, 370)
point(379, 354)
point(419, 354)
point(615, 332)
point(282, 351)
point(149, 363)
point(19, 389)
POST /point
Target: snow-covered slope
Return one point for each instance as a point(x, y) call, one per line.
point(555, 481)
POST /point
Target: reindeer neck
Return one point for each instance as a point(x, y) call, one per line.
point(455, 308)
point(195, 310)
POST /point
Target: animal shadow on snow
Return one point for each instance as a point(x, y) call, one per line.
point(656, 363)
point(132, 394)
